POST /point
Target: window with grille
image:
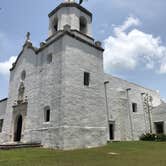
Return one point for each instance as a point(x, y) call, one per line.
point(86, 78)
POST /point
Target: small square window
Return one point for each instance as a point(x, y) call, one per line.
point(134, 107)
point(1, 125)
point(86, 78)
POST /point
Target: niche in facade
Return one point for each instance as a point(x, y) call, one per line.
point(23, 75)
point(49, 58)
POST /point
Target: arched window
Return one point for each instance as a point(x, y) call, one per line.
point(47, 114)
point(83, 25)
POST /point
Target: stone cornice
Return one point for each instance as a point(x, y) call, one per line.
point(61, 34)
point(76, 5)
point(71, 35)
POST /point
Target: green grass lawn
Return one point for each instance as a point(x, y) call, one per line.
point(127, 154)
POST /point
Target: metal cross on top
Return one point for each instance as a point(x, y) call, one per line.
point(28, 36)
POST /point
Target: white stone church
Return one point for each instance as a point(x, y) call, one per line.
point(59, 95)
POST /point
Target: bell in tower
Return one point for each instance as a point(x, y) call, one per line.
point(72, 14)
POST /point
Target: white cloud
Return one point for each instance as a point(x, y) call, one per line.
point(6, 65)
point(6, 45)
point(143, 8)
point(131, 21)
point(127, 50)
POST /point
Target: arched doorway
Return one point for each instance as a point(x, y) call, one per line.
point(18, 129)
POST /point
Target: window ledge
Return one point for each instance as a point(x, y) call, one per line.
point(46, 123)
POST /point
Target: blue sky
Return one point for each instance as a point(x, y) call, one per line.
point(132, 32)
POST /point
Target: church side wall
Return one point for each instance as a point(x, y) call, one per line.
point(139, 123)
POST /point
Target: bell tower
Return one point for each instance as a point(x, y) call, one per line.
point(82, 100)
point(72, 14)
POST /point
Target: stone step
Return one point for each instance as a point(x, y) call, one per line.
point(19, 145)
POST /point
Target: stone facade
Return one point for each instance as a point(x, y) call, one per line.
point(49, 102)
point(129, 125)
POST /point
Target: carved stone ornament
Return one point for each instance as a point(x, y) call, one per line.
point(21, 92)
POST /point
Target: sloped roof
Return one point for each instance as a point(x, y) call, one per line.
point(160, 108)
point(2, 100)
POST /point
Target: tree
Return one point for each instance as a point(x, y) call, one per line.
point(148, 106)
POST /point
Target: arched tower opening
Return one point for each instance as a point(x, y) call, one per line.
point(83, 25)
point(55, 25)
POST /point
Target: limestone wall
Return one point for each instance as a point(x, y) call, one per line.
point(3, 104)
point(83, 106)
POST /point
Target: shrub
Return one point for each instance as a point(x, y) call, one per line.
point(161, 137)
point(148, 137)
point(153, 137)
